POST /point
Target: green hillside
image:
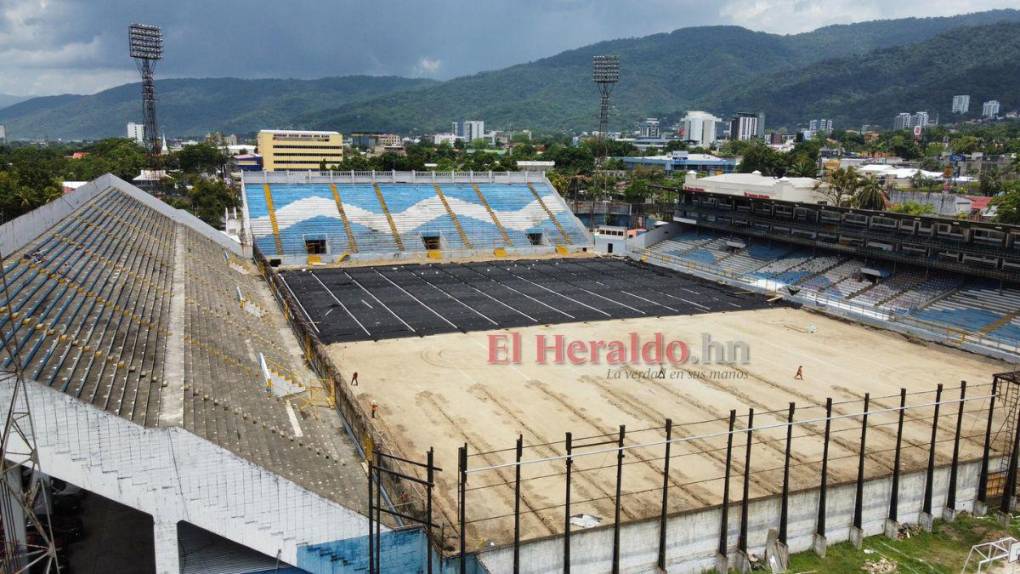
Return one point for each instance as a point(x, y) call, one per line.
point(195, 106)
point(853, 73)
point(662, 75)
point(982, 61)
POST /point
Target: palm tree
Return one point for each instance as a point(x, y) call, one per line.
point(870, 195)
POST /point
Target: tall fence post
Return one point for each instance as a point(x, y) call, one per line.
point(926, 519)
point(430, 476)
point(819, 544)
point(892, 522)
point(371, 519)
point(462, 483)
point(950, 511)
point(619, 490)
point(742, 540)
point(981, 505)
point(784, 510)
point(857, 531)
point(566, 506)
point(665, 496)
point(1009, 491)
point(722, 557)
point(517, 504)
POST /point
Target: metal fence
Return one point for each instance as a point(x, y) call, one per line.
point(530, 491)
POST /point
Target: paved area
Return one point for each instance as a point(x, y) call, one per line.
point(442, 392)
point(384, 302)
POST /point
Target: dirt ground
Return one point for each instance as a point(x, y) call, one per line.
point(441, 391)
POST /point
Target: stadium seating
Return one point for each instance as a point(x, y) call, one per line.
point(935, 297)
point(92, 303)
point(484, 212)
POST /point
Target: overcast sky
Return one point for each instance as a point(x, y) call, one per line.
point(79, 46)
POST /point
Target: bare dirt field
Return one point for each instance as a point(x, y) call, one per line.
point(441, 391)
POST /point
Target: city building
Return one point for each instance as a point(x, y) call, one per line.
point(471, 130)
point(902, 121)
point(744, 126)
point(920, 120)
point(248, 162)
point(682, 161)
point(373, 140)
point(136, 132)
point(449, 139)
point(3, 134)
point(802, 189)
point(650, 128)
point(989, 109)
point(299, 150)
point(699, 128)
point(961, 104)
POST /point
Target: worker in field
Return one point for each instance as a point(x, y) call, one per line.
point(800, 373)
point(354, 379)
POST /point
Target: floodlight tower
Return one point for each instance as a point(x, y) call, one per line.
point(27, 537)
point(605, 74)
point(146, 43)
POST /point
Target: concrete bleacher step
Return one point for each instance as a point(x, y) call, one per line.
point(839, 261)
point(549, 213)
point(389, 217)
point(1000, 323)
point(453, 216)
point(352, 242)
point(492, 214)
point(899, 292)
point(272, 218)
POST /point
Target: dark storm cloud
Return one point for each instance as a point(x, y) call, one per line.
point(55, 46)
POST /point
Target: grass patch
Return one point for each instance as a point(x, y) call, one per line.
point(942, 551)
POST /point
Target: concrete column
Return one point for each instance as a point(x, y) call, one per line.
point(168, 554)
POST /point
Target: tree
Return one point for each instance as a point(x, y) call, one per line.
point(870, 194)
point(761, 158)
point(802, 166)
point(1007, 205)
point(207, 198)
point(912, 208)
point(990, 180)
point(200, 158)
point(843, 185)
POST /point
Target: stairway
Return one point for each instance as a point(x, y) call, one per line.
point(389, 217)
point(453, 216)
point(492, 214)
point(272, 218)
point(351, 241)
point(552, 217)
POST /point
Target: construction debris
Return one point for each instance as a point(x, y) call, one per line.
point(882, 566)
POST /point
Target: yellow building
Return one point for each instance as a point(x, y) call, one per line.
point(299, 150)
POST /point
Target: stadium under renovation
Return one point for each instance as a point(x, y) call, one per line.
point(351, 386)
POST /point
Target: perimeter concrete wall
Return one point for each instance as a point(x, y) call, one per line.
point(692, 538)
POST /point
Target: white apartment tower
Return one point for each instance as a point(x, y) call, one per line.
point(961, 104)
point(989, 109)
point(699, 127)
point(136, 132)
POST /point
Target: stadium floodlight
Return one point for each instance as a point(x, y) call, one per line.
point(146, 42)
point(605, 72)
point(606, 69)
point(146, 47)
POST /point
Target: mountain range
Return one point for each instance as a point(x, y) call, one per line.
point(854, 74)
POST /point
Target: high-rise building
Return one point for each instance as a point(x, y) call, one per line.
point(920, 120)
point(989, 109)
point(903, 121)
point(961, 104)
point(472, 130)
point(299, 150)
point(136, 132)
point(3, 134)
point(650, 128)
point(699, 127)
point(813, 125)
point(744, 126)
